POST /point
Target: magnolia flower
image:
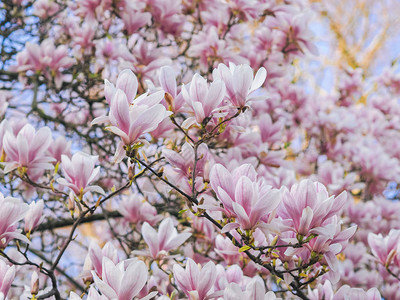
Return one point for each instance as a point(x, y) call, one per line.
point(255, 290)
point(346, 292)
point(96, 255)
point(59, 147)
point(239, 82)
point(307, 206)
point(135, 210)
point(34, 283)
point(45, 57)
point(168, 83)
point(7, 275)
point(202, 99)
point(184, 160)
point(12, 210)
point(133, 18)
point(194, 281)
point(122, 281)
point(131, 121)
point(243, 195)
point(385, 249)
point(34, 216)
point(167, 238)
point(232, 274)
point(79, 173)
point(224, 248)
point(27, 149)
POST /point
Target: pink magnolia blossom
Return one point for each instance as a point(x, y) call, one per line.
point(34, 216)
point(7, 275)
point(94, 259)
point(255, 290)
point(12, 211)
point(168, 14)
point(307, 206)
point(45, 8)
point(330, 242)
point(194, 281)
point(207, 44)
point(240, 82)
point(59, 147)
point(145, 59)
point(135, 210)
point(224, 248)
point(346, 292)
point(184, 160)
point(232, 274)
point(134, 17)
point(243, 195)
point(122, 281)
point(132, 121)
point(166, 239)
point(79, 173)
point(43, 57)
point(202, 99)
point(168, 83)
point(385, 249)
point(34, 283)
point(27, 149)
point(131, 118)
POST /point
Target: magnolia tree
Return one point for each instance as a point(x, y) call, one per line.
point(167, 149)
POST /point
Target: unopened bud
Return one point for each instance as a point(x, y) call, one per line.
point(71, 203)
point(34, 283)
point(131, 172)
point(170, 100)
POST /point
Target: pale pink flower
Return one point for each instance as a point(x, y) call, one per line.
point(203, 99)
point(131, 118)
point(240, 82)
point(34, 216)
point(163, 240)
point(27, 149)
point(34, 283)
point(12, 211)
point(59, 147)
point(45, 8)
point(7, 275)
point(294, 35)
point(385, 249)
point(135, 210)
point(184, 160)
point(194, 281)
point(43, 57)
point(145, 58)
point(167, 15)
point(346, 292)
point(324, 291)
point(79, 173)
point(133, 17)
point(255, 290)
point(122, 281)
point(224, 248)
point(96, 255)
point(208, 46)
point(167, 80)
point(331, 240)
point(307, 206)
point(82, 34)
point(232, 274)
point(246, 9)
point(243, 195)
point(130, 122)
